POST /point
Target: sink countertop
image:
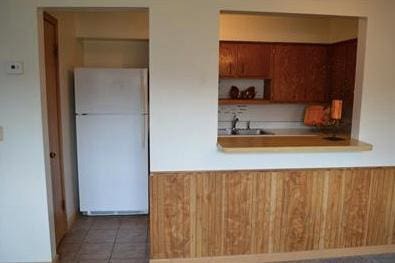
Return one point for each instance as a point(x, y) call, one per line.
point(289, 143)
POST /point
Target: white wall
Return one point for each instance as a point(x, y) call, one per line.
point(24, 217)
point(183, 91)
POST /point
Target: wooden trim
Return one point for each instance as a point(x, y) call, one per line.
point(289, 256)
point(56, 259)
point(71, 222)
point(197, 172)
point(49, 18)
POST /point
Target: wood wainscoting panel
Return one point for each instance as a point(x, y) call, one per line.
point(298, 212)
point(229, 213)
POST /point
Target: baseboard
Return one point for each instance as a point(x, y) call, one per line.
point(71, 220)
point(56, 259)
point(289, 256)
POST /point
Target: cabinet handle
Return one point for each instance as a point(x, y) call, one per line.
point(230, 69)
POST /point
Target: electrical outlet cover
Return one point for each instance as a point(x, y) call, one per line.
point(14, 67)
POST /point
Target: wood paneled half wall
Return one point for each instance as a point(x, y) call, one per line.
point(225, 213)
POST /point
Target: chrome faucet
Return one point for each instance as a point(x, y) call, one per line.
point(235, 120)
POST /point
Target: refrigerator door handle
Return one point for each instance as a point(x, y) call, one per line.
point(144, 130)
point(144, 89)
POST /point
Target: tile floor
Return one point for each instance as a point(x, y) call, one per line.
point(388, 258)
point(110, 239)
point(123, 239)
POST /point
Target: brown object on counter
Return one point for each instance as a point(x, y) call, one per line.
point(316, 115)
point(313, 143)
point(234, 92)
point(336, 109)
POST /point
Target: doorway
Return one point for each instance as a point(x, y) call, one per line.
point(98, 53)
point(54, 124)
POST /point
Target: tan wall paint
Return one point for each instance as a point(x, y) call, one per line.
point(113, 38)
point(116, 53)
point(342, 28)
point(132, 24)
point(286, 28)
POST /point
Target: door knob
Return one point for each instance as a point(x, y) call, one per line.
point(52, 155)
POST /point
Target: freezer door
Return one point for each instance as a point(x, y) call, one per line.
point(110, 91)
point(112, 163)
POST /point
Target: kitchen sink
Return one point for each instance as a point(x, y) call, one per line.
point(252, 132)
point(244, 132)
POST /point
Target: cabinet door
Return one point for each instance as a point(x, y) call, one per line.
point(227, 59)
point(254, 60)
point(316, 75)
point(300, 73)
point(337, 70)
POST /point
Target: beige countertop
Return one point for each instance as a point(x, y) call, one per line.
point(289, 143)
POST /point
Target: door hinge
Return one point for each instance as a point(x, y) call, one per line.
point(63, 205)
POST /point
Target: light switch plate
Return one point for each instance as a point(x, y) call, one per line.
point(14, 67)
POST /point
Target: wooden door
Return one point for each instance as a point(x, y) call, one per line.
point(227, 60)
point(254, 60)
point(54, 125)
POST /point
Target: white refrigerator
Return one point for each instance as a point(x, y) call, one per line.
point(112, 140)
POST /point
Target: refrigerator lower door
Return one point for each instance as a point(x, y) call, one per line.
point(112, 163)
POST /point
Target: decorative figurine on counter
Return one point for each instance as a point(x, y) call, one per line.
point(248, 93)
point(234, 92)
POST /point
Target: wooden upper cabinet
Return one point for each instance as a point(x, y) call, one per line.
point(227, 59)
point(254, 60)
point(245, 60)
point(300, 73)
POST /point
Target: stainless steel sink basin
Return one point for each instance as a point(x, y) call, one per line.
point(252, 132)
point(243, 132)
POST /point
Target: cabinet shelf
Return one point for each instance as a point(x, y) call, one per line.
point(242, 101)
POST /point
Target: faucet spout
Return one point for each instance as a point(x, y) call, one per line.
point(235, 120)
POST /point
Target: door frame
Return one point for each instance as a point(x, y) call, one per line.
point(49, 18)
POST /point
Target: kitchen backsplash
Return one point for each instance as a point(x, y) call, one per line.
point(269, 116)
